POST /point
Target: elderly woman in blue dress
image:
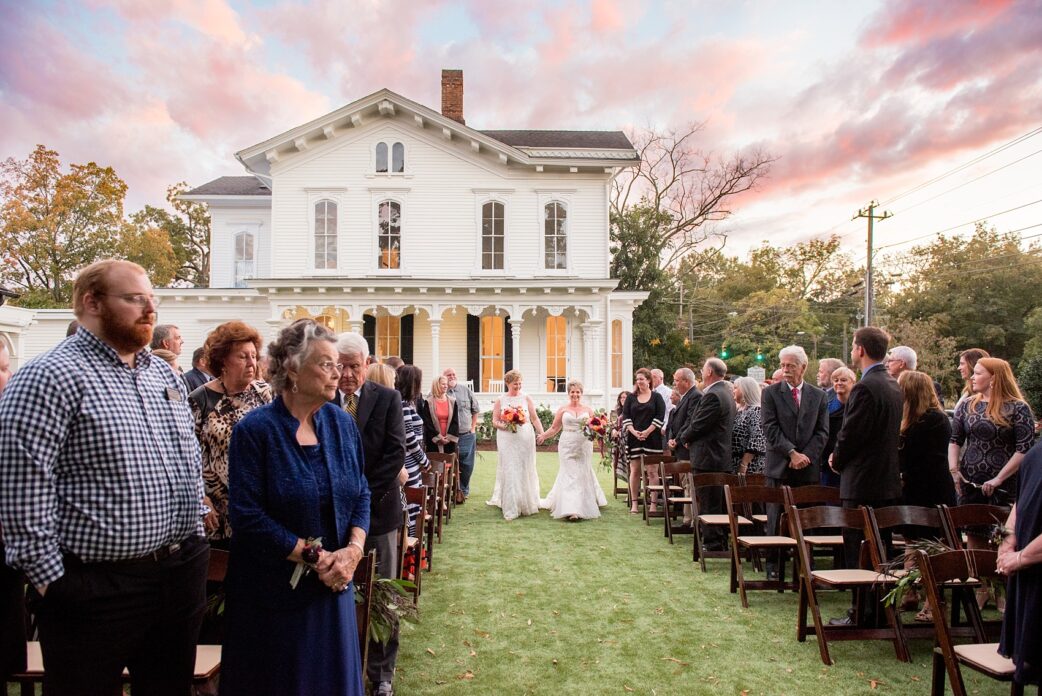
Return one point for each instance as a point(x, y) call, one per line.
point(295, 476)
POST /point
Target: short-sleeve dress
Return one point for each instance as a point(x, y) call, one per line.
point(989, 446)
point(641, 415)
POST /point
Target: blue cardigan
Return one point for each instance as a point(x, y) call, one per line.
point(273, 498)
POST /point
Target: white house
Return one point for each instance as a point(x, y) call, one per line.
point(483, 250)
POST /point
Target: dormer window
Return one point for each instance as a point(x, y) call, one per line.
point(397, 158)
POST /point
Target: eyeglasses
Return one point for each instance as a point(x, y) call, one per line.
point(329, 367)
point(136, 299)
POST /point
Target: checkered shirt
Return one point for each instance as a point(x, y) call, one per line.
point(97, 459)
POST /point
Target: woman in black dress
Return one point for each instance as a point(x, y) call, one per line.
point(1020, 557)
point(642, 418)
point(925, 434)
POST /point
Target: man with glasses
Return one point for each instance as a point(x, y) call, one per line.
point(101, 497)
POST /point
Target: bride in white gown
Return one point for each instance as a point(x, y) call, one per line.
point(517, 482)
point(576, 493)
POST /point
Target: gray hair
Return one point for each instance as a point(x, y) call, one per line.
point(291, 348)
point(574, 383)
point(161, 332)
point(844, 372)
point(905, 355)
point(750, 389)
point(686, 373)
point(830, 364)
point(655, 372)
point(352, 343)
point(794, 352)
point(717, 366)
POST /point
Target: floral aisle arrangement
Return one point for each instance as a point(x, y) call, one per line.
point(596, 429)
point(513, 417)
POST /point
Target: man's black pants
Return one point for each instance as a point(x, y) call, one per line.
point(143, 615)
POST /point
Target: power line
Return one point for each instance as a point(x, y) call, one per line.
point(961, 167)
point(955, 227)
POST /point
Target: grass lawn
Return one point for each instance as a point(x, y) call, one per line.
point(541, 606)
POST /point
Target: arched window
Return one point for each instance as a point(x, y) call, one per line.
point(244, 267)
point(492, 236)
point(381, 158)
point(389, 235)
point(616, 353)
point(555, 235)
point(397, 158)
point(325, 234)
point(556, 354)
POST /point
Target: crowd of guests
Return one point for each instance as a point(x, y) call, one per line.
point(882, 439)
point(118, 473)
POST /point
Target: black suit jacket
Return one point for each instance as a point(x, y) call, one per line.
point(678, 421)
point(708, 431)
point(866, 447)
point(785, 429)
point(382, 425)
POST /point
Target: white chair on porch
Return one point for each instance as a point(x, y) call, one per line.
point(496, 386)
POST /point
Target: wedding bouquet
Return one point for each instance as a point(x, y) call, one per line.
point(513, 417)
point(595, 428)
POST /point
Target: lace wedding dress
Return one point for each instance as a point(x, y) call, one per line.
point(576, 492)
point(517, 482)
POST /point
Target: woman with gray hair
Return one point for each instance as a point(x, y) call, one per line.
point(748, 445)
point(298, 499)
point(576, 494)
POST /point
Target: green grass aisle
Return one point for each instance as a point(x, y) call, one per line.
point(541, 606)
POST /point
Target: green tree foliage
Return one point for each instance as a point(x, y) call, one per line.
point(187, 230)
point(52, 223)
point(1029, 377)
point(938, 355)
point(979, 289)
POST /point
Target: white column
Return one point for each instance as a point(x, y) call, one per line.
point(515, 337)
point(589, 357)
point(597, 372)
point(435, 325)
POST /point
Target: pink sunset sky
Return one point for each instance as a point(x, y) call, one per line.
point(858, 100)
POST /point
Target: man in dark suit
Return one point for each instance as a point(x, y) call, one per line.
point(708, 437)
point(866, 448)
point(378, 412)
point(684, 383)
point(795, 420)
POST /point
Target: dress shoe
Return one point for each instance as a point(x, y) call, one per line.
point(384, 689)
point(847, 620)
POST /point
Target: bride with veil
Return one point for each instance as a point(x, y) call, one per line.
point(517, 483)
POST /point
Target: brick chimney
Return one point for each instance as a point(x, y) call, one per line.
point(452, 95)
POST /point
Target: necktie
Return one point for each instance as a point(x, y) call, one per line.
point(351, 405)
point(796, 397)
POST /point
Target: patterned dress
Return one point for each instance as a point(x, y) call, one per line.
point(215, 415)
point(415, 458)
point(988, 447)
point(747, 436)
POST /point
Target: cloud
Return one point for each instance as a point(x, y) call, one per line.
point(606, 16)
point(914, 21)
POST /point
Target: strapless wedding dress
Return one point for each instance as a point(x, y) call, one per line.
point(576, 492)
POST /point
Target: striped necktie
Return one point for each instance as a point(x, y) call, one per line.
point(351, 404)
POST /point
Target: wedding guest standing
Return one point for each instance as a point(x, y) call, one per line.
point(748, 445)
point(217, 406)
point(925, 434)
point(967, 361)
point(12, 582)
point(101, 497)
point(296, 476)
point(408, 382)
point(843, 380)
point(197, 376)
point(467, 410)
point(440, 419)
point(642, 418)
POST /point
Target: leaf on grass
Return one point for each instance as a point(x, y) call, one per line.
point(466, 675)
point(556, 613)
point(874, 683)
point(789, 670)
point(745, 692)
point(482, 634)
point(627, 688)
point(555, 661)
point(431, 652)
point(915, 678)
point(673, 659)
point(530, 622)
point(473, 654)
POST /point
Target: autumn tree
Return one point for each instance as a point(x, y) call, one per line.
point(187, 229)
point(53, 223)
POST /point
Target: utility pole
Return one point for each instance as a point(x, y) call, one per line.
point(869, 213)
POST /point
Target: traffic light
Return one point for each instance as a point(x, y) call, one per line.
point(759, 357)
point(723, 353)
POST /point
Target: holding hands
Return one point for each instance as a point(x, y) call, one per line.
point(336, 568)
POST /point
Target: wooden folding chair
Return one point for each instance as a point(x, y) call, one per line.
point(754, 479)
point(822, 544)
point(442, 470)
point(960, 518)
point(671, 475)
point(938, 572)
point(853, 579)
point(702, 520)
point(649, 491)
point(756, 514)
point(365, 575)
point(430, 483)
point(414, 546)
point(737, 499)
point(451, 480)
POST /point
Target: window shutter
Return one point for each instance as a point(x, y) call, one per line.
point(508, 346)
point(406, 338)
point(474, 350)
point(369, 332)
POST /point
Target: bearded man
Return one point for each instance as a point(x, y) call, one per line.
point(101, 497)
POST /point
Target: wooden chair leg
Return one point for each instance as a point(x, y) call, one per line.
point(939, 669)
point(700, 551)
point(819, 626)
point(801, 615)
point(737, 576)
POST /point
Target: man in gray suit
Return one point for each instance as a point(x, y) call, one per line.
point(795, 421)
point(708, 436)
point(684, 383)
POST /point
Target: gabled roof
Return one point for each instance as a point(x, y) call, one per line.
point(569, 149)
point(231, 186)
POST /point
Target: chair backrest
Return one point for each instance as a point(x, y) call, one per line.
point(365, 573)
point(446, 457)
point(878, 519)
point(754, 479)
point(811, 495)
point(744, 495)
point(218, 566)
point(438, 467)
point(653, 460)
point(674, 468)
point(962, 517)
point(822, 516)
point(715, 478)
